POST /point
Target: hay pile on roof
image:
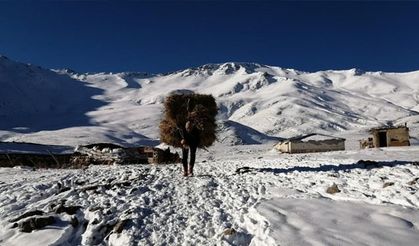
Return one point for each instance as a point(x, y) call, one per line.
point(199, 109)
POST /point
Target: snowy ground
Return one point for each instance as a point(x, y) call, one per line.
point(279, 199)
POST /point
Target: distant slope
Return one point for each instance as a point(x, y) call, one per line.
point(284, 102)
point(256, 101)
point(37, 98)
point(233, 133)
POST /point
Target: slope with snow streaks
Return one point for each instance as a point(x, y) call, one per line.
point(284, 102)
point(271, 100)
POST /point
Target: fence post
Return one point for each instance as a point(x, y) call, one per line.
point(55, 159)
point(10, 159)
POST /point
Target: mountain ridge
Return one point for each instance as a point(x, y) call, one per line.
point(126, 107)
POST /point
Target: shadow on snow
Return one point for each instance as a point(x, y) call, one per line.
point(326, 168)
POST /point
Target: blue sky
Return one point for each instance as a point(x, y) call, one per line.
point(166, 36)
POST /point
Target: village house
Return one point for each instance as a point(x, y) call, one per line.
point(387, 137)
point(311, 143)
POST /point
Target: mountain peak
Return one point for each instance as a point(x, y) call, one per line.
point(357, 71)
point(231, 66)
point(221, 68)
point(5, 59)
point(65, 71)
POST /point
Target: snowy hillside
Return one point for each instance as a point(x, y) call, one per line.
point(66, 107)
point(241, 195)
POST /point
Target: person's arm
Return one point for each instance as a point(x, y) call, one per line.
point(181, 131)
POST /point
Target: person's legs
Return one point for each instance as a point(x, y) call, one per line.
point(192, 160)
point(185, 152)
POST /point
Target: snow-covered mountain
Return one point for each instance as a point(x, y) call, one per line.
point(241, 195)
point(258, 103)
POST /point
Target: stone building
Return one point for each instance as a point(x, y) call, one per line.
point(387, 137)
point(311, 143)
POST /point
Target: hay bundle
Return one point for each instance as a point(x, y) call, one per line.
point(200, 110)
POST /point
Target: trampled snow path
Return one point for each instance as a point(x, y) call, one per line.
point(163, 208)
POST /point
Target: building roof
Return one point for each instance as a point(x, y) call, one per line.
point(386, 128)
point(314, 137)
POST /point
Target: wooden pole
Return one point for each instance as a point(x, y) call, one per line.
point(55, 159)
point(10, 159)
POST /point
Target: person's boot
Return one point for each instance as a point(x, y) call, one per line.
point(190, 173)
point(185, 170)
point(185, 152)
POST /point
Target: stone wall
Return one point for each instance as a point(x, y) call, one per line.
point(317, 146)
point(90, 155)
point(398, 137)
point(35, 160)
point(283, 147)
point(311, 146)
point(394, 137)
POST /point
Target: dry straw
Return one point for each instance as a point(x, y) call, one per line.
point(199, 109)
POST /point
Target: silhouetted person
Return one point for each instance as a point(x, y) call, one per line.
point(189, 123)
point(190, 140)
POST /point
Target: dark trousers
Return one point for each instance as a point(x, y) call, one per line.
point(185, 153)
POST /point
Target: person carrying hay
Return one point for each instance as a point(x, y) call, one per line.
point(189, 123)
